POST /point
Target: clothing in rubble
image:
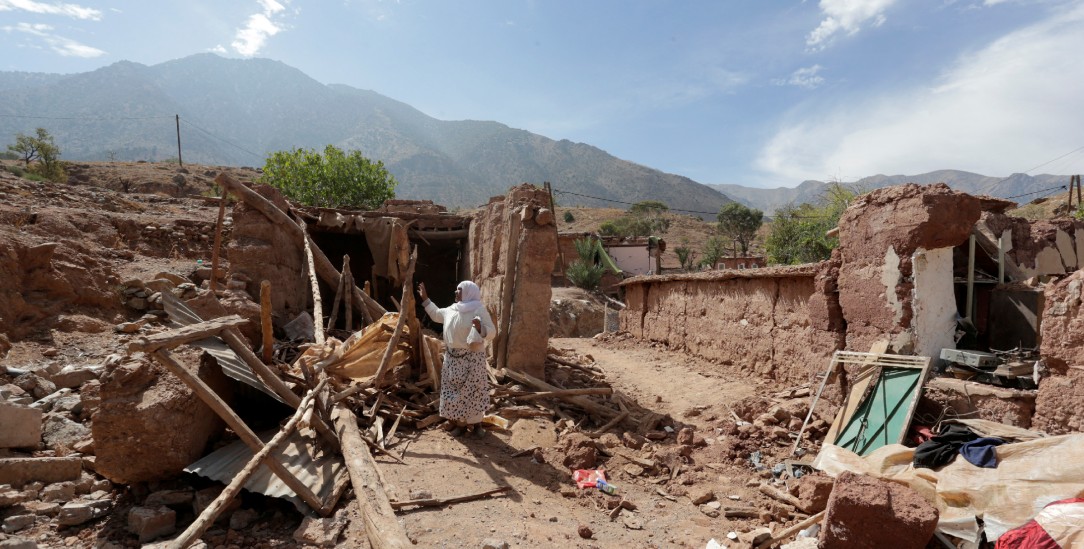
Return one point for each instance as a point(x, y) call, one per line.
point(942, 449)
point(980, 452)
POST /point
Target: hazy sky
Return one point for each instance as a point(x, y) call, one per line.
point(754, 92)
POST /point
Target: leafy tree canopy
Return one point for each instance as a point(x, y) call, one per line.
point(649, 207)
point(798, 233)
point(740, 224)
point(334, 179)
point(39, 148)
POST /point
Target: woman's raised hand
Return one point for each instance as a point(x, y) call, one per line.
point(422, 293)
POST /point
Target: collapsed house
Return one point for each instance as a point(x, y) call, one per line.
point(920, 271)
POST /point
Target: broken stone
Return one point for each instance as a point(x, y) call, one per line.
point(609, 440)
point(45, 508)
point(584, 531)
point(71, 377)
point(755, 537)
point(709, 511)
point(150, 523)
point(243, 518)
point(10, 497)
point(903, 518)
point(68, 404)
point(322, 532)
point(60, 491)
point(20, 427)
point(492, 543)
point(702, 496)
point(59, 432)
point(686, 435)
point(128, 327)
point(35, 385)
point(169, 498)
point(76, 513)
point(19, 471)
point(18, 522)
point(18, 543)
point(813, 492)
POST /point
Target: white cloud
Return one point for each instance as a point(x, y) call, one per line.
point(47, 8)
point(806, 77)
point(59, 44)
point(219, 48)
point(259, 27)
point(1002, 109)
point(848, 17)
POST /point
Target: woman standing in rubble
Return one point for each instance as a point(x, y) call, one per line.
point(464, 385)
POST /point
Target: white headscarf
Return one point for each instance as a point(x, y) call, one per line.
point(470, 297)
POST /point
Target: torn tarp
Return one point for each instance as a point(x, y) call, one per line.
point(1029, 476)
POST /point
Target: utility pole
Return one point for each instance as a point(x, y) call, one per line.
point(179, 161)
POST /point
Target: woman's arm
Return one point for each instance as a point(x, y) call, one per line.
point(431, 308)
point(487, 329)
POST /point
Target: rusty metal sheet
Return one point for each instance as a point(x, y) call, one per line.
point(231, 364)
point(319, 473)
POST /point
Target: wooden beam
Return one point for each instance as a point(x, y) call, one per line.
point(187, 334)
point(209, 397)
point(317, 303)
point(349, 283)
point(408, 280)
point(381, 526)
point(580, 401)
point(508, 284)
point(324, 268)
point(208, 516)
point(440, 502)
point(218, 241)
point(265, 322)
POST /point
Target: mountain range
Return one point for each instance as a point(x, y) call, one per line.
point(236, 111)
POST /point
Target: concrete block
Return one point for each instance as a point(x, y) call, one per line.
point(60, 491)
point(19, 471)
point(322, 532)
point(75, 513)
point(44, 508)
point(149, 523)
point(20, 427)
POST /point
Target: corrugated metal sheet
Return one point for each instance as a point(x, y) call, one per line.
point(231, 364)
point(320, 474)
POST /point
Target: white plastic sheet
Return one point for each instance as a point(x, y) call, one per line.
point(1029, 475)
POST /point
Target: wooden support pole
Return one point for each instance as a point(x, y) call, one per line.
point(209, 397)
point(208, 516)
point(218, 239)
point(265, 322)
point(324, 269)
point(317, 303)
point(335, 303)
point(511, 262)
point(349, 281)
point(408, 300)
point(381, 527)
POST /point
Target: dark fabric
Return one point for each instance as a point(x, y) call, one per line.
point(942, 449)
point(980, 452)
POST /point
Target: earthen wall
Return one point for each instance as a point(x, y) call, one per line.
point(513, 241)
point(759, 322)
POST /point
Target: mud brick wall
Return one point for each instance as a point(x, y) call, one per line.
point(1058, 405)
point(758, 319)
point(531, 254)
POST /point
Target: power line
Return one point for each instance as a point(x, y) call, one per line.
point(1004, 179)
point(1038, 191)
point(226, 141)
point(85, 117)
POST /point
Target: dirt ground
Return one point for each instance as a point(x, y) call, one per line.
point(113, 222)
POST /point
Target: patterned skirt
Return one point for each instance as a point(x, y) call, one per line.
point(464, 386)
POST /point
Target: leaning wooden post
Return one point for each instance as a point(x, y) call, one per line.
point(208, 516)
point(335, 303)
point(508, 285)
point(381, 526)
point(218, 239)
point(408, 281)
point(324, 268)
point(317, 303)
point(265, 322)
point(349, 278)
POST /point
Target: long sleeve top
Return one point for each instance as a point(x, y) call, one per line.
point(457, 327)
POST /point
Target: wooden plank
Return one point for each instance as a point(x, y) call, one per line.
point(381, 526)
point(582, 402)
point(508, 284)
point(317, 303)
point(187, 334)
point(348, 278)
point(265, 322)
point(208, 516)
point(385, 361)
point(212, 283)
point(440, 502)
point(209, 397)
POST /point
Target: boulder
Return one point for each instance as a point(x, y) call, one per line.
point(868, 512)
point(150, 425)
point(59, 432)
point(151, 522)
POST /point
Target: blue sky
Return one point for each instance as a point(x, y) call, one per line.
point(754, 92)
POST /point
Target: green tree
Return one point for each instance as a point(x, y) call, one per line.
point(649, 207)
point(584, 272)
point(686, 256)
point(714, 250)
point(799, 233)
point(740, 224)
point(42, 149)
point(645, 218)
point(332, 179)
